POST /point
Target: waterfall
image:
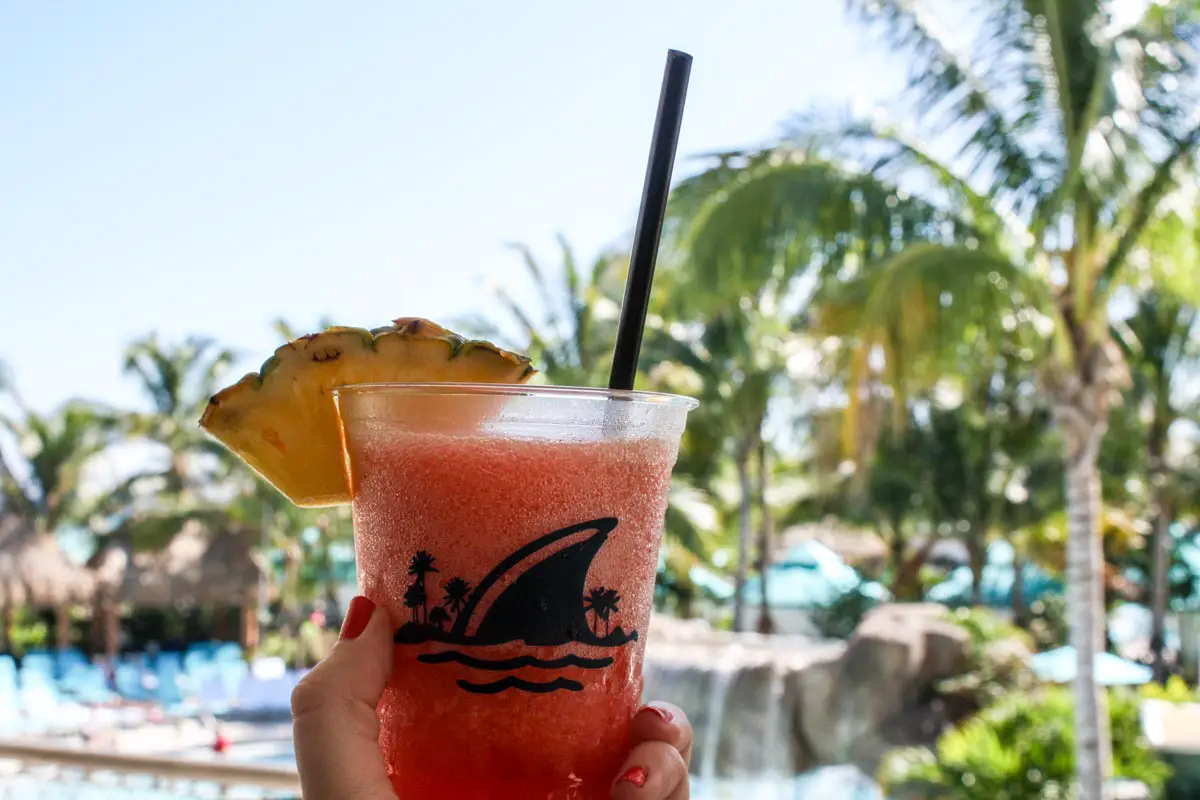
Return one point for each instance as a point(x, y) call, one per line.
point(718, 696)
point(775, 750)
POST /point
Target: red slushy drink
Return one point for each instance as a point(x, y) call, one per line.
point(513, 535)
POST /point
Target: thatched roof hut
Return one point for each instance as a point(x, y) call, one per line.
point(34, 571)
point(199, 567)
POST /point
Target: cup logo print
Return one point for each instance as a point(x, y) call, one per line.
point(538, 595)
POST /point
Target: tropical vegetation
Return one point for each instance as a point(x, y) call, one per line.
point(974, 328)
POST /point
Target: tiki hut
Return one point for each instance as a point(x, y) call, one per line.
point(200, 567)
point(36, 573)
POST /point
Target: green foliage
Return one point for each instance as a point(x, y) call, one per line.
point(304, 649)
point(839, 619)
point(55, 450)
point(279, 645)
point(28, 632)
point(1048, 622)
point(999, 659)
point(570, 331)
point(1176, 690)
point(1022, 748)
point(986, 627)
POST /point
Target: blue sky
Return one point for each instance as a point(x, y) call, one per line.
point(207, 167)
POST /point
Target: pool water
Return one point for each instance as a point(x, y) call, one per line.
point(44, 783)
point(28, 788)
point(75, 787)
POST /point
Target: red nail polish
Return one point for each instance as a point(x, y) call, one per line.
point(636, 775)
point(357, 616)
point(661, 713)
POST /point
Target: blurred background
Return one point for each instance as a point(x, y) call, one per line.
point(932, 269)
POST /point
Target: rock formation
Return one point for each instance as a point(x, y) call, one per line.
point(784, 705)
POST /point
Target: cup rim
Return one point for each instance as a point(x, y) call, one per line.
point(520, 390)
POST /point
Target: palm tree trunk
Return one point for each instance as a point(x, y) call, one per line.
point(765, 623)
point(1160, 541)
point(977, 556)
point(1159, 588)
point(1085, 599)
point(220, 624)
point(111, 624)
point(289, 594)
point(62, 628)
point(6, 623)
point(249, 627)
point(1018, 589)
point(739, 588)
point(897, 549)
point(424, 600)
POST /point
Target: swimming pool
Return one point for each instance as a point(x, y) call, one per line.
point(55, 789)
point(46, 783)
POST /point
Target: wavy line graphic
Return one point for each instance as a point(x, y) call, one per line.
point(513, 682)
point(506, 664)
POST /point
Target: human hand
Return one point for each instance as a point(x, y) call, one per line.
point(336, 728)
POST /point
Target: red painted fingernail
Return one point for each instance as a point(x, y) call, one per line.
point(357, 616)
point(661, 713)
point(636, 775)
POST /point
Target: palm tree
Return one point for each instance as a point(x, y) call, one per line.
point(611, 600)
point(47, 488)
point(421, 565)
point(572, 332)
point(1066, 124)
point(736, 278)
point(601, 603)
point(737, 357)
point(456, 590)
point(415, 600)
point(56, 448)
point(1161, 343)
point(177, 378)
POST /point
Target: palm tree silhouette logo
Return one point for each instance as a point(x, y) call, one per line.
point(420, 566)
point(456, 590)
point(415, 599)
point(601, 603)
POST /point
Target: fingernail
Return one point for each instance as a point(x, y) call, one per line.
point(661, 713)
point(636, 775)
point(357, 616)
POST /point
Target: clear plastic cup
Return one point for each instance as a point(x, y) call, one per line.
point(513, 534)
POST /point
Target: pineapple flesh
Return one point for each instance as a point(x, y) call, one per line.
point(282, 421)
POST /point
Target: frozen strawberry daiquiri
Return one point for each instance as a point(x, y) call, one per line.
point(520, 553)
point(512, 532)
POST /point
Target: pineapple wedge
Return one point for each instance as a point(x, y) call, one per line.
point(282, 422)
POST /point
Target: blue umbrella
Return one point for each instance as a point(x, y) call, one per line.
point(809, 576)
point(996, 585)
point(1058, 666)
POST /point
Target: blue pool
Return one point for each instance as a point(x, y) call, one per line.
point(46, 786)
point(45, 783)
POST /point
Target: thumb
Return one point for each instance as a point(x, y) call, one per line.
point(336, 729)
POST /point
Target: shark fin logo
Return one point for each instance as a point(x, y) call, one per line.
point(538, 595)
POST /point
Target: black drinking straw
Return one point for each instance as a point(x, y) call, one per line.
point(650, 220)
